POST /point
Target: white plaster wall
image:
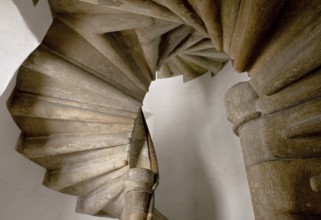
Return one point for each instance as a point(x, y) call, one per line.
point(202, 174)
point(19, 35)
point(22, 196)
point(206, 180)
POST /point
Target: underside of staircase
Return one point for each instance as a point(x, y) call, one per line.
point(78, 97)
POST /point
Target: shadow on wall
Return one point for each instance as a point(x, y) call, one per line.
point(18, 40)
point(35, 2)
point(202, 174)
point(207, 199)
point(22, 196)
point(9, 132)
point(37, 16)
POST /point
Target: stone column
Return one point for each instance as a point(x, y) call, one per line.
point(281, 140)
point(139, 194)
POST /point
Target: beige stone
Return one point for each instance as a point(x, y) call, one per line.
point(78, 98)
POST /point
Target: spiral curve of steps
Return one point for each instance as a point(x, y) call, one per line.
point(78, 96)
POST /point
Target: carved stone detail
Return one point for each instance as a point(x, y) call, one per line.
point(79, 94)
point(280, 137)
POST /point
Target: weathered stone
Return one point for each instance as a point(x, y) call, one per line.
point(93, 60)
point(255, 18)
point(291, 133)
point(315, 183)
point(240, 102)
point(191, 40)
point(291, 22)
point(299, 57)
point(202, 45)
point(138, 185)
point(208, 11)
point(88, 186)
point(305, 89)
point(203, 62)
point(147, 8)
point(33, 147)
point(165, 71)
point(67, 176)
point(105, 23)
point(92, 203)
point(171, 40)
point(182, 11)
point(283, 187)
point(78, 97)
point(229, 14)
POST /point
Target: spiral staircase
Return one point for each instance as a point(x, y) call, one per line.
point(78, 97)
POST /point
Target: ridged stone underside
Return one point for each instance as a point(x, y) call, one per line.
point(78, 96)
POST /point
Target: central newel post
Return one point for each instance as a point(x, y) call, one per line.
point(280, 138)
point(139, 194)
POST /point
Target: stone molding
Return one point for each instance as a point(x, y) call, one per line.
point(79, 94)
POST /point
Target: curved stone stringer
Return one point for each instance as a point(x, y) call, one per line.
point(78, 97)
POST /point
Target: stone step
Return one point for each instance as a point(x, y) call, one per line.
point(141, 7)
point(309, 87)
point(60, 33)
point(97, 200)
point(78, 96)
point(88, 186)
point(197, 69)
point(44, 127)
point(170, 41)
point(63, 160)
point(81, 7)
point(131, 49)
point(48, 62)
point(24, 105)
point(149, 39)
point(209, 13)
point(187, 15)
point(165, 71)
point(208, 64)
point(30, 81)
point(114, 208)
point(210, 53)
point(49, 146)
point(253, 23)
point(150, 51)
point(191, 40)
point(156, 30)
point(229, 15)
point(202, 45)
point(105, 23)
point(172, 70)
point(290, 23)
point(127, 58)
point(67, 176)
point(79, 105)
point(185, 69)
point(296, 59)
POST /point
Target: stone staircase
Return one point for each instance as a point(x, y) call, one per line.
point(78, 97)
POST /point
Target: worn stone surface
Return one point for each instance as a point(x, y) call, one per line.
point(280, 137)
point(283, 187)
point(78, 97)
point(229, 15)
point(209, 13)
point(315, 183)
point(254, 20)
point(138, 186)
point(291, 133)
